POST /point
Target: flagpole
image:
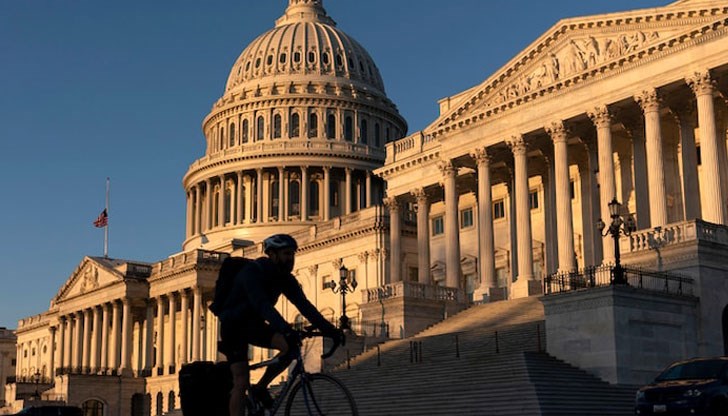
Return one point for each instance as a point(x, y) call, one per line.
point(106, 229)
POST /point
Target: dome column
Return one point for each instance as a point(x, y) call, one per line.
point(208, 211)
point(281, 195)
point(327, 192)
point(198, 210)
point(369, 189)
point(248, 199)
point(304, 193)
point(221, 203)
point(259, 194)
point(239, 208)
point(347, 192)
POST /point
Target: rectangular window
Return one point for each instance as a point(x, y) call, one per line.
point(533, 200)
point(499, 209)
point(412, 274)
point(466, 218)
point(572, 189)
point(438, 226)
point(697, 151)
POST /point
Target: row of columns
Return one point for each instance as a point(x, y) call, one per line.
point(99, 339)
point(602, 119)
point(247, 189)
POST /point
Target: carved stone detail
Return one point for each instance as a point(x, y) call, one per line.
point(481, 156)
point(701, 83)
point(420, 195)
point(600, 116)
point(558, 131)
point(447, 168)
point(391, 203)
point(517, 145)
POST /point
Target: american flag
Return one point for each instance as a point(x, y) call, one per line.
point(102, 220)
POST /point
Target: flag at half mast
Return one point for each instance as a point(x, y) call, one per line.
point(102, 220)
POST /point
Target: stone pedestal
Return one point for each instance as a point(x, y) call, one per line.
point(525, 288)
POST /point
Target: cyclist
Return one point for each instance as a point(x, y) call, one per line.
point(249, 317)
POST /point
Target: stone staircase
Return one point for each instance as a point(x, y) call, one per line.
point(486, 360)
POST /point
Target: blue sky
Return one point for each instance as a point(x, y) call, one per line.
point(91, 89)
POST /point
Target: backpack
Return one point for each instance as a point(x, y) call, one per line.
point(225, 281)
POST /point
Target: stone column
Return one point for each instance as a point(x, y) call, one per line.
point(126, 338)
point(486, 246)
point(684, 118)
point(452, 229)
point(149, 337)
point(395, 239)
point(281, 195)
point(95, 334)
point(602, 120)
point(61, 342)
point(52, 355)
point(171, 341)
point(248, 199)
point(286, 207)
point(347, 192)
point(423, 236)
point(239, 208)
point(77, 342)
point(703, 86)
point(259, 194)
point(159, 362)
point(185, 318)
point(221, 203)
point(114, 349)
point(188, 223)
point(304, 193)
point(327, 193)
point(196, 310)
point(86, 342)
point(650, 104)
point(198, 209)
point(104, 337)
point(522, 287)
point(210, 194)
point(67, 342)
point(369, 189)
point(564, 219)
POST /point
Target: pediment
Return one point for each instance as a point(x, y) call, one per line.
point(575, 50)
point(90, 275)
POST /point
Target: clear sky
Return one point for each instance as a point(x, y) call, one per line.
point(90, 89)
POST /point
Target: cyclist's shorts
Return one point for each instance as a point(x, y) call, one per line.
point(236, 336)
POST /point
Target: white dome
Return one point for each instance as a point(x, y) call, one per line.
point(305, 42)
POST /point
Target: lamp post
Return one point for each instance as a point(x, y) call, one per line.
point(36, 378)
point(345, 286)
point(620, 225)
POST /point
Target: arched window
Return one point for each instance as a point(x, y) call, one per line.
point(160, 403)
point(277, 126)
point(137, 405)
point(221, 141)
point(331, 126)
point(275, 201)
point(364, 132)
point(92, 407)
point(348, 129)
point(246, 127)
point(295, 125)
point(377, 135)
point(294, 198)
point(228, 206)
point(232, 135)
point(312, 125)
point(261, 128)
point(313, 197)
point(171, 402)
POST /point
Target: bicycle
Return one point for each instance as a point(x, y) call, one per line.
point(306, 394)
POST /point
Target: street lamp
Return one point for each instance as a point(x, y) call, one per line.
point(36, 378)
point(345, 286)
point(620, 225)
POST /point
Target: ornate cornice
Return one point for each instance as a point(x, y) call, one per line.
point(644, 29)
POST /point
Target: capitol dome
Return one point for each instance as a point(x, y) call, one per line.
point(302, 123)
point(305, 42)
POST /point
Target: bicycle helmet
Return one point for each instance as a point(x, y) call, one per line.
point(279, 241)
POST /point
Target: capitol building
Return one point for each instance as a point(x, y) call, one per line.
point(497, 199)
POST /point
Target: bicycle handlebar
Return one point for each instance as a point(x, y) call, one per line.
point(309, 333)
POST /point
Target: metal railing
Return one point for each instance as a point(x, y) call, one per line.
point(605, 275)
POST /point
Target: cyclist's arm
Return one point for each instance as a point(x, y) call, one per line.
point(295, 294)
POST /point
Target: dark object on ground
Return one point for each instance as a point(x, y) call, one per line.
point(51, 411)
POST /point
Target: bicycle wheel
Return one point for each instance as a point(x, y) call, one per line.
point(320, 395)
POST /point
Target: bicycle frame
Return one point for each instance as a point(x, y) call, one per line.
point(297, 372)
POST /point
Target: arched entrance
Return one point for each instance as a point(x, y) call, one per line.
point(725, 330)
point(92, 408)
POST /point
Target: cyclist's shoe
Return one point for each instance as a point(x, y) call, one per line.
point(261, 394)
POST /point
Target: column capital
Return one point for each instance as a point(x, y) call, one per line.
point(684, 111)
point(392, 203)
point(481, 156)
point(601, 116)
point(336, 264)
point(312, 270)
point(648, 100)
point(701, 83)
point(517, 144)
point(363, 256)
point(558, 131)
point(420, 195)
point(447, 168)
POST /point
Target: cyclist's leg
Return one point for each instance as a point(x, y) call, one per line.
point(234, 345)
point(266, 337)
point(241, 383)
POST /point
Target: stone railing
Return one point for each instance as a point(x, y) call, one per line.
point(409, 146)
point(672, 234)
point(413, 290)
point(190, 257)
point(264, 148)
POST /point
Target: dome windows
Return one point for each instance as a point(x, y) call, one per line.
point(331, 126)
point(246, 128)
point(232, 135)
point(325, 58)
point(312, 125)
point(269, 60)
point(339, 61)
point(257, 63)
point(260, 135)
point(297, 57)
point(363, 132)
point(348, 128)
point(247, 66)
point(282, 58)
point(295, 129)
point(277, 126)
point(311, 57)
